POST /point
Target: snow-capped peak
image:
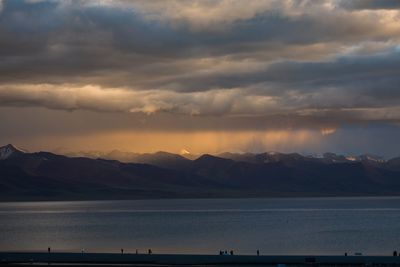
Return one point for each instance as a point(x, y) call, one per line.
point(9, 150)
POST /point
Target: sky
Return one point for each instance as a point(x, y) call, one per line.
point(201, 76)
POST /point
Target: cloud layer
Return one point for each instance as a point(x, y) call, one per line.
point(228, 64)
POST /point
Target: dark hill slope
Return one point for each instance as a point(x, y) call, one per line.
point(43, 175)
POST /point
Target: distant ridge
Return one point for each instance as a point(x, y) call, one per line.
point(162, 158)
point(48, 176)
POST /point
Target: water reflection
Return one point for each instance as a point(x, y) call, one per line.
point(275, 226)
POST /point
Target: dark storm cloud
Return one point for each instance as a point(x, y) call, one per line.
point(48, 40)
point(369, 4)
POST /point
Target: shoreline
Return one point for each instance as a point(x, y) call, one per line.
point(191, 259)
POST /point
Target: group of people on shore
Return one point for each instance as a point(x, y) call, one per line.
point(222, 252)
point(137, 251)
point(225, 252)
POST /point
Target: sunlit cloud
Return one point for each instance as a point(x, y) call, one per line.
point(70, 97)
point(217, 102)
point(328, 131)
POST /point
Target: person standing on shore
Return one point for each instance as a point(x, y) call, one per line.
point(48, 250)
point(258, 252)
point(122, 251)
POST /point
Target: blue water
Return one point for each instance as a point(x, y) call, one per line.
point(274, 226)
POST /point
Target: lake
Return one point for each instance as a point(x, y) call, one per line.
point(274, 226)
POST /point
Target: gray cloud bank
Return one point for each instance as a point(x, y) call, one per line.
point(337, 61)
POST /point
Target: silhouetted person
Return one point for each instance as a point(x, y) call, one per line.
point(122, 251)
point(49, 250)
point(258, 252)
point(220, 252)
point(137, 252)
point(150, 251)
point(345, 253)
point(226, 252)
point(231, 252)
point(395, 253)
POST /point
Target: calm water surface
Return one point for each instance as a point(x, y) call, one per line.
point(274, 226)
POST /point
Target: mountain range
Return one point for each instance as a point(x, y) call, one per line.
point(125, 175)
